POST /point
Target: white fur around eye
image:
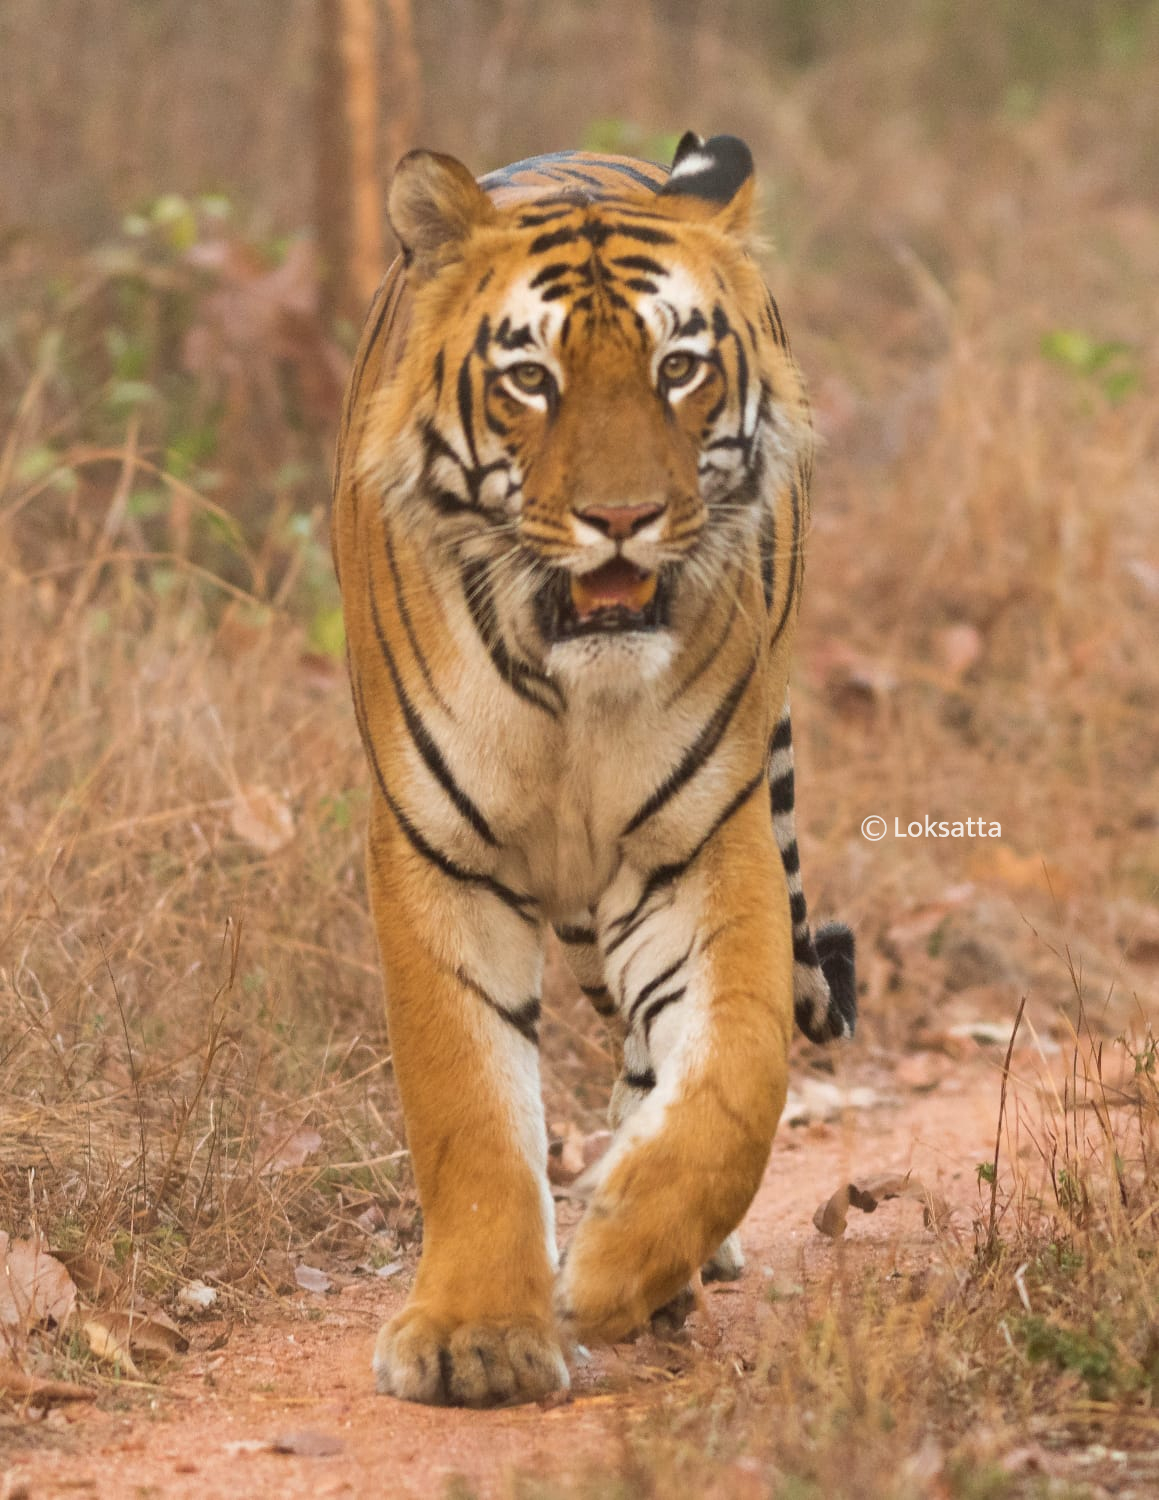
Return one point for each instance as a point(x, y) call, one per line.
point(676, 393)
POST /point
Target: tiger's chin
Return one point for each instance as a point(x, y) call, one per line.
point(611, 667)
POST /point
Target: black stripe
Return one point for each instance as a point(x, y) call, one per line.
point(662, 1002)
point(551, 272)
point(518, 904)
point(798, 908)
point(525, 1020)
point(549, 216)
point(708, 660)
point(389, 302)
point(408, 625)
point(790, 587)
point(585, 177)
point(665, 874)
point(645, 1081)
point(645, 235)
point(643, 263)
point(521, 678)
point(775, 314)
point(424, 742)
point(697, 753)
point(804, 952)
point(550, 240)
point(575, 936)
point(791, 858)
point(465, 407)
point(781, 795)
point(768, 557)
point(447, 503)
point(654, 984)
point(602, 1002)
point(783, 739)
point(636, 175)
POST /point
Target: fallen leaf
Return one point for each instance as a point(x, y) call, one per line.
point(262, 818)
point(108, 1348)
point(115, 1337)
point(565, 1156)
point(98, 1282)
point(831, 1217)
point(385, 1272)
point(815, 1099)
point(34, 1287)
point(286, 1150)
point(372, 1219)
point(988, 1033)
point(29, 1388)
point(311, 1279)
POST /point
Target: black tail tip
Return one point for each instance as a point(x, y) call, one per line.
point(836, 949)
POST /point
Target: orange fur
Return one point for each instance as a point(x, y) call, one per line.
point(520, 777)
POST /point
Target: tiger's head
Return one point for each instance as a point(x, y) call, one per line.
point(595, 409)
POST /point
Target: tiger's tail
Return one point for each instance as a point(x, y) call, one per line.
point(824, 971)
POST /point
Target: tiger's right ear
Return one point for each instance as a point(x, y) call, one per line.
point(434, 206)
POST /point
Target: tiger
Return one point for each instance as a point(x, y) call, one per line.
point(570, 504)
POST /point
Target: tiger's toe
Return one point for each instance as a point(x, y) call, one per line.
point(471, 1364)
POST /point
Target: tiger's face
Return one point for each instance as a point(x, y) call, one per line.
point(605, 409)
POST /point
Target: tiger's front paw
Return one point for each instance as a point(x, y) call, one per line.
point(616, 1275)
point(419, 1358)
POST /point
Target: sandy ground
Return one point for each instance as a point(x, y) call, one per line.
point(299, 1374)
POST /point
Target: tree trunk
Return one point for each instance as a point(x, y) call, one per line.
point(348, 208)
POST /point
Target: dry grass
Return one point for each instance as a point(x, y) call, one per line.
point(187, 973)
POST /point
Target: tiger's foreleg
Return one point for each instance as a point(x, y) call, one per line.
point(462, 1011)
point(702, 966)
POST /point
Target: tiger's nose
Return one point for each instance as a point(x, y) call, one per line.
point(620, 521)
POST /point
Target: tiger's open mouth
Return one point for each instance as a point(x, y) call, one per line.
point(614, 599)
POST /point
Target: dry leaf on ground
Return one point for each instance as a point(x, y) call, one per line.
point(109, 1348)
point(95, 1280)
point(34, 1287)
point(572, 1152)
point(262, 818)
point(114, 1337)
point(286, 1149)
point(816, 1099)
point(311, 1279)
point(18, 1386)
point(832, 1216)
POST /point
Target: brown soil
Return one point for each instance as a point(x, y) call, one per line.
point(300, 1372)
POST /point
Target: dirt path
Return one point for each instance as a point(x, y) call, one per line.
point(302, 1372)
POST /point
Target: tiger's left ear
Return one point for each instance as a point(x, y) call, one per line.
point(715, 179)
point(434, 207)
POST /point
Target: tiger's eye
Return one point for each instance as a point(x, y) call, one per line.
point(678, 368)
point(531, 378)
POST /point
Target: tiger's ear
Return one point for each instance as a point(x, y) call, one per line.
point(714, 179)
point(434, 206)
